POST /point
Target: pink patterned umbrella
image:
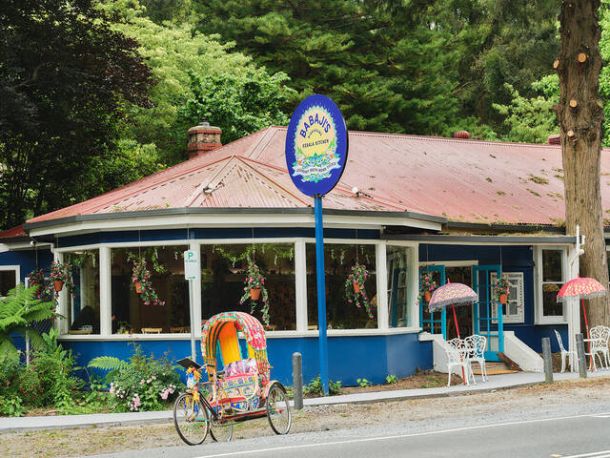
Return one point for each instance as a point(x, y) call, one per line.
point(452, 294)
point(584, 288)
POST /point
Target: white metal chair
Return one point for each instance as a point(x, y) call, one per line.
point(599, 344)
point(457, 356)
point(475, 345)
point(570, 355)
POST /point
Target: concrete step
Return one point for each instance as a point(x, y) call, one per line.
point(493, 368)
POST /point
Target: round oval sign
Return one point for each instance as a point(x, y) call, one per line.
point(316, 145)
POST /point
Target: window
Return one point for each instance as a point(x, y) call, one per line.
point(158, 306)
point(83, 299)
point(338, 262)
point(398, 286)
point(8, 279)
point(513, 311)
point(223, 270)
point(551, 266)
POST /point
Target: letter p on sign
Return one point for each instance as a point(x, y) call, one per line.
point(191, 265)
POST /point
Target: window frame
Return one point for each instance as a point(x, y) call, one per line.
point(300, 278)
point(14, 267)
point(540, 318)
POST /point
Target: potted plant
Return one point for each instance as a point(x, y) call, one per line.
point(60, 275)
point(141, 279)
point(355, 290)
point(502, 290)
point(254, 289)
point(427, 285)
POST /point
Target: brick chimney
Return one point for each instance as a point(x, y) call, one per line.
point(202, 139)
point(463, 134)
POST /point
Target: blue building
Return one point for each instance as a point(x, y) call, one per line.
point(455, 209)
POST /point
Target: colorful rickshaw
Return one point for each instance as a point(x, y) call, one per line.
point(239, 387)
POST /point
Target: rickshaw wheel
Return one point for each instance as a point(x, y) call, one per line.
point(191, 419)
point(278, 409)
point(220, 431)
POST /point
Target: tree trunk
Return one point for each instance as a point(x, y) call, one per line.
point(578, 68)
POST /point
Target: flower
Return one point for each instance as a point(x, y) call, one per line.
point(135, 403)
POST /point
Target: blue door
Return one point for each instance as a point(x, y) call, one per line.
point(487, 313)
point(436, 322)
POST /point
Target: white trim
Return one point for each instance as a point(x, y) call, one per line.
point(196, 320)
point(381, 268)
point(105, 266)
point(236, 219)
point(539, 318)
point(16, 268)
point(269, 335)
point(464, 263)
point(300, 277)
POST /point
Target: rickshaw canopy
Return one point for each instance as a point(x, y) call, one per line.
point(222, 330)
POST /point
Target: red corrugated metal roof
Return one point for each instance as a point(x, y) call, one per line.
point(462, 180)
point(13, 232)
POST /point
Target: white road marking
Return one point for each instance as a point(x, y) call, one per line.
point(404, 436)
point(601, 416)
point(600, 454)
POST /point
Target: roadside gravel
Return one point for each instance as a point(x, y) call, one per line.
point(399, 417)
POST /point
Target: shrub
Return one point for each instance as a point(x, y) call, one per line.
point(10, 402)
point(362, 382)
point(142, 383)
point(46, 382)
point(11, 405)
point(314, 388)
point(54, 366)
point(391, 379)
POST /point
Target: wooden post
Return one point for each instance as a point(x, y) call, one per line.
point(548, 360)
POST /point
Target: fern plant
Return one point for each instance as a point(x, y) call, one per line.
point(19, 310)
point(108, 363)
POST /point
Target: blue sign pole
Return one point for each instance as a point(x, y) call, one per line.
point(316, 156)
point(321, 282)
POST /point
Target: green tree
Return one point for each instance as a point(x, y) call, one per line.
point(385, 64)
point(531, 119)
point(179, 57)
point(241, 104)
point(64, 77)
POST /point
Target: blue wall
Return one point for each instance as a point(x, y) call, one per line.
point(512, 259)
point(27, 260)
point(370, 357)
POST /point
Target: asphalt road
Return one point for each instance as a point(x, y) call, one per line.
point(576, 436)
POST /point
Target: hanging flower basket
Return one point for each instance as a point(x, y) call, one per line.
point(61, 276)
point(255, 294)
point(427, 285)
point(502, 290)
point(142, 283)
point(254, 289)
point(58, 285)
point(355, 291)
